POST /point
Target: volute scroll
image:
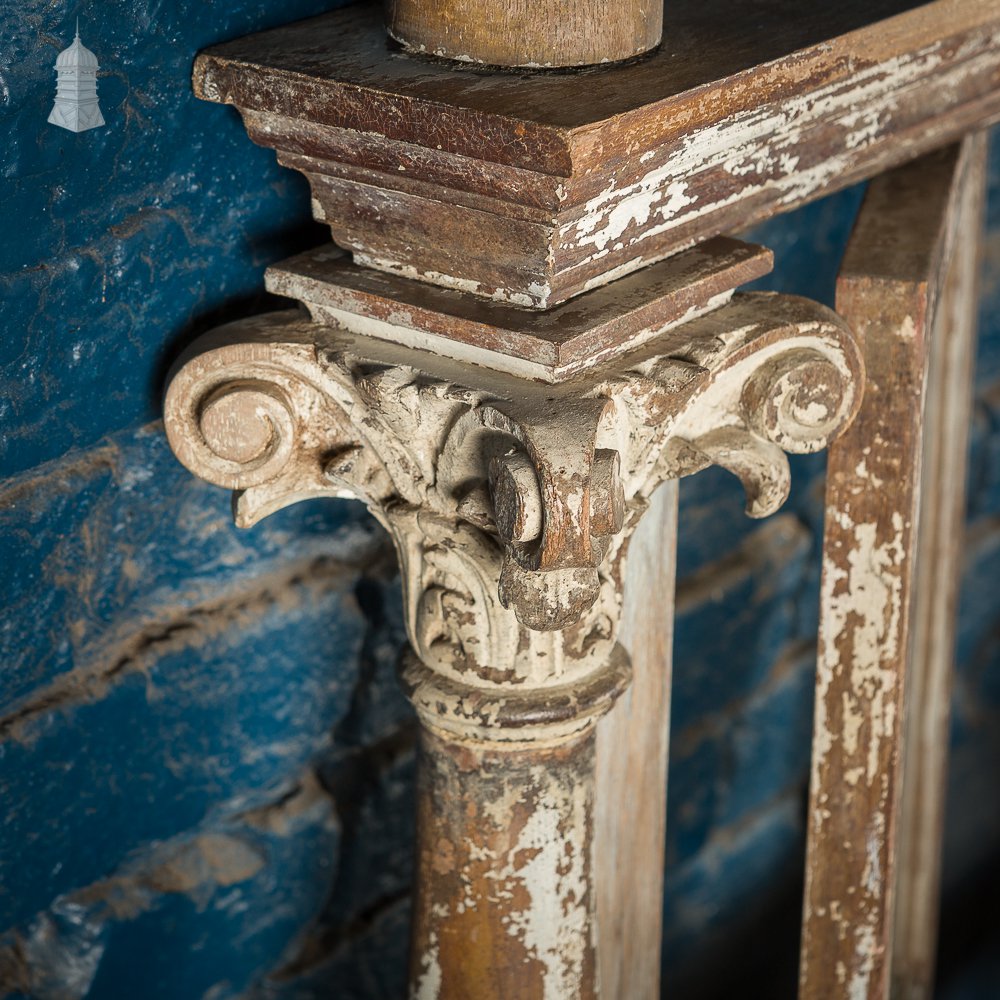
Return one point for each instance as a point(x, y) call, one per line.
point(510, 502)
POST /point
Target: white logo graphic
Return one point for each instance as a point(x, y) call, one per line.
point(76, 106)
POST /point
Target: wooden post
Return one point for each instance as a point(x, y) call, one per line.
point(948, 414)
point(889, 289)
point(632, 758)
point(535, 33)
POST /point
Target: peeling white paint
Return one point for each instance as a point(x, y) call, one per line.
point(633, 205)
point(554, 927)
point(534, 296)
point(865, 951)
point(428, 984)
point(865, 601)
point(766, 142)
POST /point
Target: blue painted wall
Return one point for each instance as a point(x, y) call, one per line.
point(205, 763)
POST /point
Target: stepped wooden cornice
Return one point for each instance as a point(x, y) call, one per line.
point(531, 187)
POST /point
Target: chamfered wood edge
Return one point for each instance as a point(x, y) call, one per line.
point(943, 475)
point(909, 226)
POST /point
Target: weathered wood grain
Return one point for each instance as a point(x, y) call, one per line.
point(534, 187)
point(535, 33)
point(632, 756)
point(504, 898)
point(553, 345)
point(948, 416)
point(889, 287)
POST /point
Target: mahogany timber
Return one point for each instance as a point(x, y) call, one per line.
point(889, 289)
point(552, 345)
point(535, 33)
point(532, 187)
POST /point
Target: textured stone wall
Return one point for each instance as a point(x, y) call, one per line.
point(205, 764)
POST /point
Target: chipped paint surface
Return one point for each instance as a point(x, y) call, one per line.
point(556, 929)
point(863, 607)
point(889, 287)
point(535, 294)
point(637, 181)
point(858, 710)
point(505, 861)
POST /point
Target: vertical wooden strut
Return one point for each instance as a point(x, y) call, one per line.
point(947, 418)
point(917, 230)
point(535, 33)
point(632, 762)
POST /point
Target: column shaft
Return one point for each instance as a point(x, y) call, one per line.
point(504, 901)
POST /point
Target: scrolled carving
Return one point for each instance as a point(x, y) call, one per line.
point(249, 429)
point(781, 374)
point(510, 502)
point(556, 498)
point(517, 497)
point(760, 465)
point(607, 494)
point(798, 400)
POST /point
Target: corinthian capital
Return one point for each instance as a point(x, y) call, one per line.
point(510, 500)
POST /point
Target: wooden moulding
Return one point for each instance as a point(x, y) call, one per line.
point(535, 33)
point(915, 239)
point(532, 187)
point(552, 345)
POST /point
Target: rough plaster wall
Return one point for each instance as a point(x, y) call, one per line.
point(206, 765)
point(121, 243)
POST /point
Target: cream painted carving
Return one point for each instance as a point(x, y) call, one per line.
point(510, 501)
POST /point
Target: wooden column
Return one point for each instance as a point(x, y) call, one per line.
point(504, 895)
point(535, 33)
point(914, 230)
point(511, 501)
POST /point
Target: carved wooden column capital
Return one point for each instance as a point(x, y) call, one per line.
point(510, 501)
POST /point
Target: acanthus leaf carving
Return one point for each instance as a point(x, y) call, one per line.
point(510, 502)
